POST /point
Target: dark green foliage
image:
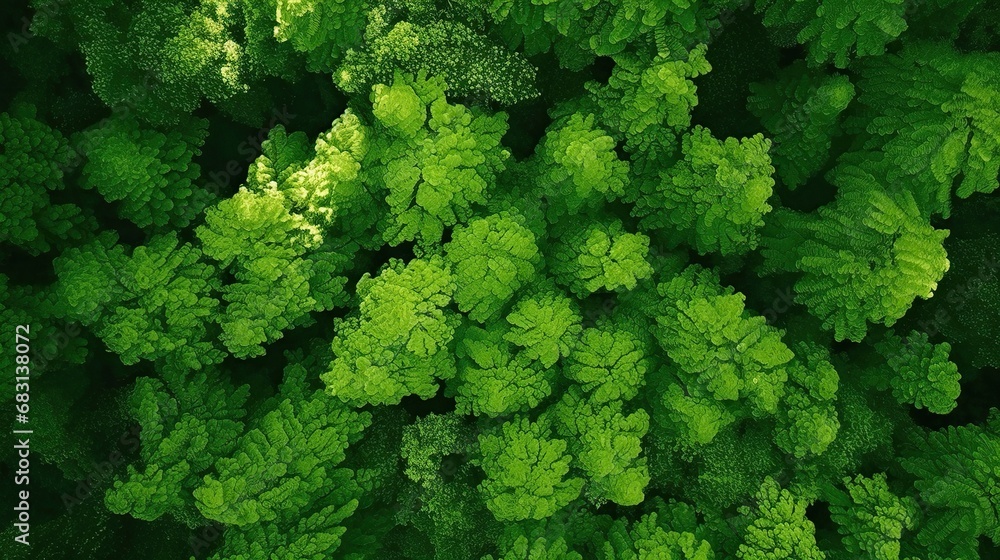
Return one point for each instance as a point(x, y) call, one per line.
point(956, 478)
point(149, 174)
point(802, 111)
point(185, 425)
point(33, 162)
point(864, 258)
point(512, 280)
point(931, 111)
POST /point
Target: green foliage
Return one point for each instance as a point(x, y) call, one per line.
point(719, 353)
point(161, 60)
point(150, 174)
point(436, 159)
point(648, 538)
point(397, 343)
point(600, 257)
point(839, 30)
point(920, 372)
point(930, 110)
point(32, 163)
point(779, 528)
point(715, 198)
point(957, 478)
point(539, 549)
point(493, 378)
point(608, 363)
point(283, 464)
point(544, 323)
point(249, 234)
point(312, 537)
point(579, 166)
point(472, 64)
point(606, 445)
point(731, 468)
point(446, 504)
point(892, 255)
point(162, 298)
point(801, 110)
point(549, 279)
point(324, 185)
point(644, 95)
point(322, 30)
point(491, 258)
point(870, 517)
point(808, 423)
point(186, 425)
point(526, 471)
point(577, 31)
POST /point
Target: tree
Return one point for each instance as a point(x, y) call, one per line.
point(33, 163)
point(322, 185)
point(470, 62)
point(807, 421)
point(609, 363)
point(955, 478)
point(779, 528)
point(286, 463)
point(729, 470)
point(651, 537)
point(600, 256)
point(435, 159)
point(715, 198)
point(526, 471)
point(870, 517)
point(802, 112)
point(577, 32)
point(442, 500)
point(88, 278)
point(313, 536)
point(491, 258)
point(150, 174)
point(920, 372)
point(719, 351)
point(836, 30)
point(274, 234)
point(397, 344)
point(160, 61)
point(323, 31)
point(579, 166)
point(545, 323)
point(495, 379)
point(929, 109)
point(538, 549)
point(154, 305)
point(891, 255)
point(606, 445)
point(644, 94)
point(254, 236)
point(186, 425)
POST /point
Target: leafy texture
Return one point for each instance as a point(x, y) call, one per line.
point(892, 256)
point(504, 280)
point(526, 471)
point(397, 344)
point(715, 198)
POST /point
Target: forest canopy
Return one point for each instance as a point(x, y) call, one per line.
point(502, 280)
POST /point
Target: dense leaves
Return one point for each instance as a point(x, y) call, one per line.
point(504, 280)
